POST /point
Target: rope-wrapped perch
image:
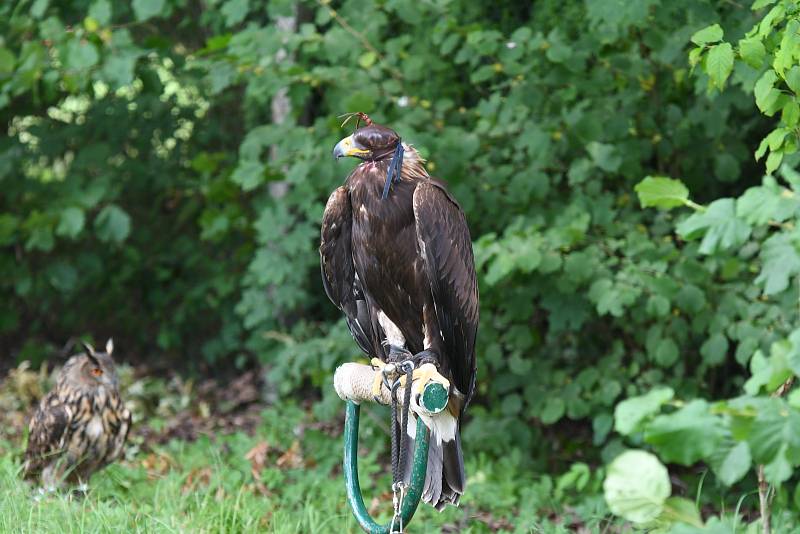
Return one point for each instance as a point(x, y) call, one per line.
point(354, 381)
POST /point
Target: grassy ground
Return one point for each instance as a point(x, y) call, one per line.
point(281, 474)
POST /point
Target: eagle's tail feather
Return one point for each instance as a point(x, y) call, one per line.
point(444, 478)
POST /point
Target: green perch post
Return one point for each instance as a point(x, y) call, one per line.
point(434, 399)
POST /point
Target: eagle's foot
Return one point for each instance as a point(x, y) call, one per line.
point(427, 372)
point(387, 374)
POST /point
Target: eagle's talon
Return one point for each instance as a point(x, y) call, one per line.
point(377, 385)
point(427, 372)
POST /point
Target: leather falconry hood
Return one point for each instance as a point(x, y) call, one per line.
point(382, 143)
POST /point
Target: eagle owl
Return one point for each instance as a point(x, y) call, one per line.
point(81, 425)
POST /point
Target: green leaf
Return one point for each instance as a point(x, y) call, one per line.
point(765, 92)
point(776, 426)
point(145, 9)
point(112, 224)
point(773, 161)
point(604, 156)
point(81, 55)
point(38, 8)
point(715, 349)
point(779, 262)
point(695, 55)
point(100, 11)
point(610, 298)
point(636, 486)
point(367, 59)
point(249, 174)
point(779, 469)
point(658, 306)
point(118, 70)
point(790, 115)
point(71, 222)
point(667, 352)
point(661, 192)
point(752, 52)
point(784, 56)
point(719, 225)
point(629, 413)
point(235, 11)
point(762, 149)
point(682, 511)
point(719, 64)
point(686, 436)
point(770, 202)
point(690, 299)
point(554, 409)
point(735, 464)
point(62, 276)
point(709, 34)
point(7, 61)
point(793, 79)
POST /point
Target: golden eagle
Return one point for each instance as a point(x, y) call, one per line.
point(396, 258)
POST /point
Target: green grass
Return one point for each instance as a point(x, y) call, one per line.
point(208, 486)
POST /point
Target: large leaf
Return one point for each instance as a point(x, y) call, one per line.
point(719, 64)
point(145, 9)
point(636, 486)
point(71, 222)
point(686, 436)
point(720, 227)
point(762, 204)
point(765, 92)
point(734, 463)
point(776, 427)
point(780, 261)
point(629, 413)
point(709, 34)
point(112, 224)
point(661, 192)
point(752, 52)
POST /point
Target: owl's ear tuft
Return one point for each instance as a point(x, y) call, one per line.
point(110, 346)
point(88, 348)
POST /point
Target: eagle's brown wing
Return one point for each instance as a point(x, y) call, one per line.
point(339, 274)
point(46, 432)
point(444, 243)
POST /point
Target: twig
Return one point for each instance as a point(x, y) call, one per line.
point(764, 497)
point(360, 36)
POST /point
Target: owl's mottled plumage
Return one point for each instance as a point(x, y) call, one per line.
point(81, 425)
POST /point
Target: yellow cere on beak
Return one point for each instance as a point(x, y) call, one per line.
point(348, 147)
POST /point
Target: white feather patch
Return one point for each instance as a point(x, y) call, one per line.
point(393, 334)
point(95, 427)
point(443, 425)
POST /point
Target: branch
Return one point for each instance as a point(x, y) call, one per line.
point(360, 36)
point(764, 497)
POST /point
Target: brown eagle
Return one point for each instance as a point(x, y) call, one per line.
point(396, 258)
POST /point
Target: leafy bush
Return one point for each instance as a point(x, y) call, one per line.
point(750, 242)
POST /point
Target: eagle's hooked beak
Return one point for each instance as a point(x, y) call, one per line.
point(348, 147)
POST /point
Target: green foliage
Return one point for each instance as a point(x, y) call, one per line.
point(757, 427)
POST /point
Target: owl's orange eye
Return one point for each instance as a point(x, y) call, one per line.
point(97, 371)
